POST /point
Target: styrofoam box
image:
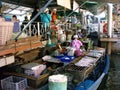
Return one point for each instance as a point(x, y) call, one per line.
point(36, 71)
point(2, 61)
point(33, 69)
point(10, 59)
point(30, 65)
point(14, 83)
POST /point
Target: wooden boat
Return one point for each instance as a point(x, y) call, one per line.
point(79, 78)
point(88, 78)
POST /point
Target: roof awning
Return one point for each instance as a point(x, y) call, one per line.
point(13, 9)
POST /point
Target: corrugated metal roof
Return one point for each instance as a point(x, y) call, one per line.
point(24, 6)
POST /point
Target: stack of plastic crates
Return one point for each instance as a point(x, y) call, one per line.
point(14, 83)
point(6, 29)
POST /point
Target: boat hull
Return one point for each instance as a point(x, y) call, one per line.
point(93, 85)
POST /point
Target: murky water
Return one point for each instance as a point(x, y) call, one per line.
point(113, 78)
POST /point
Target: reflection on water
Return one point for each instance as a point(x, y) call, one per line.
point(113, 79)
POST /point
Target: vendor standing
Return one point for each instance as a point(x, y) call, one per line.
point(46, 18)
point(16, 24)
point(54, 16)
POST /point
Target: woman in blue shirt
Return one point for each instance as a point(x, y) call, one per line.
point(46, 18)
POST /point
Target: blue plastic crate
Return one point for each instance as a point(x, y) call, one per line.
point(67, 58)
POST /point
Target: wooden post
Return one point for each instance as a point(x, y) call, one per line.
point(109, 47)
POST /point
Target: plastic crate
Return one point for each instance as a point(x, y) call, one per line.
point(65, 58)
point(14, 83)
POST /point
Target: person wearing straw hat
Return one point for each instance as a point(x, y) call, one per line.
point(79, 34)
point(46, 18)
point(54, 15)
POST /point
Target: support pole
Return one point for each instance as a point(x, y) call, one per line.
point(99, 28)
point(110, 8)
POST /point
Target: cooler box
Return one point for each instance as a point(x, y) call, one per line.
point(33, 69)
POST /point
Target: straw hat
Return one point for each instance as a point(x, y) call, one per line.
point(54, 9)
point(46, 10)
point(79, 30)
point(75, 36)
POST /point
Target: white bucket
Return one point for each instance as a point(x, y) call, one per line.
point(58, 82)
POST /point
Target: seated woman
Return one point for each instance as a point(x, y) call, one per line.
point(77, 45)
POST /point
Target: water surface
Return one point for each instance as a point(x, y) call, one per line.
point(113, 78)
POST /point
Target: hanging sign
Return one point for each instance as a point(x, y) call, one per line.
point(64, 3)
point(75, 6)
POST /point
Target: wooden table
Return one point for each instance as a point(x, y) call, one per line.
point(109, 42)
